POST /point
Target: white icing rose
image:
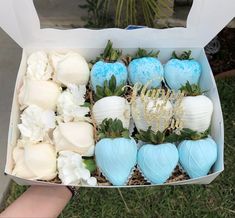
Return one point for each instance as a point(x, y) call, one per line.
point(70, 101)
point(72, 170)
point(70, 68)
point(75, 136)
point(36, 122)
point(41, 93)
point(35, 161)
point(38, 66)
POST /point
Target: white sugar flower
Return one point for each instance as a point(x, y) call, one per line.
point(38, 66)
point(72, 170)
point(70, 103)
point(36, 122)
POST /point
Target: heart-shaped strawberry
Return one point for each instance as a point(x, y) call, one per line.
point(116, 158)
point(197, 156)
point(116, 152)
point(157, 162)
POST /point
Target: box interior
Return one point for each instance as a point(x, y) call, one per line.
point(206, 82)
point(206, 18)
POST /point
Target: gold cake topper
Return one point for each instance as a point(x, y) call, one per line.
point(159, 108)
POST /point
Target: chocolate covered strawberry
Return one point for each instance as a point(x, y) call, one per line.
point(116, 152)
point(145, 67)
point(110, 103)
point(181, 69)
point(158, 158)
point(196, 108)
point(107, 65)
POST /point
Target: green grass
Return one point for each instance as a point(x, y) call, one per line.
point(214, 200)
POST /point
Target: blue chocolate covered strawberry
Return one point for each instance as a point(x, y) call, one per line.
point(116, 152)
point(197, 152)
point(146, 68)
point(181, 69)
point(157, 159)
point(197, 156)
point(108, 64)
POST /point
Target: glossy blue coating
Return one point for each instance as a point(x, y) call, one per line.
point(116, 158)
point(102, 71)
point(157, 162)
point(143, 70)
point(197, 157)
point(178, 72)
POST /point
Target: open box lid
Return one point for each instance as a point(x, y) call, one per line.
point(206, 18)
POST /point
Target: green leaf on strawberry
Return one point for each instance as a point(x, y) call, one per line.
point(188, 134)
point(191, 89)
point(158, 137)
point(150, 136)
point(110, 88)
point(112, 128)
point(109, 55)
point(184, 56)
point(140, 54)
point(143, 53)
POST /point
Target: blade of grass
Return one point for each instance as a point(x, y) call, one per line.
point(146, 17)
point(149, 13)
point(124, 200)
point(131, 11)
point(134, 11)
point(120, 14)
point(163, 3)
point(117, 12)
point(127, 11)
point(155, 7)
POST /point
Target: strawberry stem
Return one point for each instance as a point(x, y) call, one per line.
point(110, 88)
point(141, 53)
point(149, 136)
point(191, 89)
point(184, 56)
point(188, 134)
point(112, 128)
point(110, 54)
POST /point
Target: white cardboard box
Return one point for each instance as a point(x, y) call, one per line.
point(206, 18)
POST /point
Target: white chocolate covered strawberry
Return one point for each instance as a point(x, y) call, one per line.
point(110, 104)
point(196, 109)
